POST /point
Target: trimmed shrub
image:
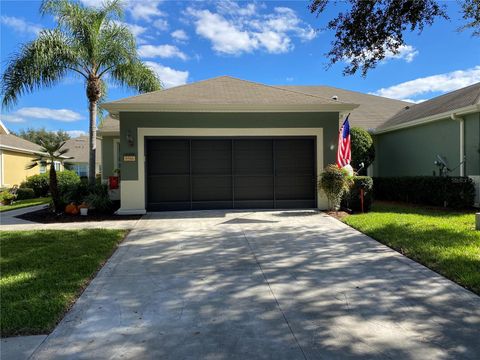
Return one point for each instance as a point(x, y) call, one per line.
point(351, 199)
point(25, 193)
point(363, 149)
point(66, 180)
point(452, 192)
point(39, 184)
point(6, 198)
point(334, 182)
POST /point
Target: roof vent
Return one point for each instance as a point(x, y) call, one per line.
point(407, 107)
point(335, 97)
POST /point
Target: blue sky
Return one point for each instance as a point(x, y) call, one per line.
point(273, 42)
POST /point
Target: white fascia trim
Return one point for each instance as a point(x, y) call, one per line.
point(114, 109)
point(2, 172)
point(445, 115)
point(20, 150)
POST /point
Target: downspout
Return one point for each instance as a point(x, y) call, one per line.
point(461, 121)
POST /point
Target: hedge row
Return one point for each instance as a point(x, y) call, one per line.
point(452, 192)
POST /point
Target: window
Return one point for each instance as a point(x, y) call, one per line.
point(43, 169)
point(57, 165)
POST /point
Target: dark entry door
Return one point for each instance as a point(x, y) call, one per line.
point(230, 173)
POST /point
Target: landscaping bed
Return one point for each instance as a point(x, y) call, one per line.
point(46, 216)
point(44, 272)
point(443, 240)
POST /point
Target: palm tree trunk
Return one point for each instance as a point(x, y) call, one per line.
point(93, 142)
point(54, 187)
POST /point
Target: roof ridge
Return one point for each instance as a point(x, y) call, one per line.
point(353, 91)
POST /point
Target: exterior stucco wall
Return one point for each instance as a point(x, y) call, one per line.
point(137, 126)
point(14, 165)
point(107, 156)
point(412, 151)
point(472, 144)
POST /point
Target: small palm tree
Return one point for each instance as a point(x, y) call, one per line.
point(89, 42)
point(51, 153)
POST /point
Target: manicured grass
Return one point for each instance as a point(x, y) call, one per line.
point(24, 203)
point(43, 272)
point(444, 241)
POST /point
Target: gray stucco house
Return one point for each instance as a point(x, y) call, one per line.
point(230, 143)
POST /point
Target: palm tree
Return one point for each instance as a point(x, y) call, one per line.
point(88, 42)
point(51, 152)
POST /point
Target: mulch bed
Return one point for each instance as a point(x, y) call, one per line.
point(45, 216)
point(337, 214)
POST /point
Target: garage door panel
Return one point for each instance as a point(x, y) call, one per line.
point(253, 157)
point(253, 188)
point(169, 188)
point(211, 188)
point(168, 157)
point(289, 187)
point(212, 157)
point(295, 156)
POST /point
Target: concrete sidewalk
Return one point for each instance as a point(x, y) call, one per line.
point(264, 285)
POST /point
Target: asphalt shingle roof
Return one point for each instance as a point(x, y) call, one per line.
point(452, 101)
point(10, 140)
point(372, 112)
point(226, 90)
point(78, 150)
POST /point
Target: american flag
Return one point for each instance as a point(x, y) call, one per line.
point(344, 153)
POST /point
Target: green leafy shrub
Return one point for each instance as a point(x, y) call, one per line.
point(25, 193)
point(334, 182)
point(452, 192)
point(66, 180)
point(363, 149)
point(351, 199)
point(39, 184)
point(98, 199)
point(6, 198)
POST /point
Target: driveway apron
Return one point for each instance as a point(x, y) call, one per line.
point(263, 285)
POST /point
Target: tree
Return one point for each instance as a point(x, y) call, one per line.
point(371, 29)
point(335, 183)
point(89, 42)
point(38, 135)
point(363, 149)
point(51, 153)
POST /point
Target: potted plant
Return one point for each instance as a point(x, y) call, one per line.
point(83, 207)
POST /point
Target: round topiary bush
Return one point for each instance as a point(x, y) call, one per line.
point(363, 149)
point(25, 193)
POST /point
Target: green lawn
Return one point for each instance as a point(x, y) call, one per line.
point(444, 241)
point(24, 203)
point(43, 272)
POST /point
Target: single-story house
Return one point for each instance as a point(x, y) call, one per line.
point(78, 150)
point(15, 155)
point(230, 143)
point(221, 143)
point(446, 126)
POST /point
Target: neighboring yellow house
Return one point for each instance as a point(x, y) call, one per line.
point(15, 154)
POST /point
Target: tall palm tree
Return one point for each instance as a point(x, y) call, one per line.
point(89, 42)
point(51, 152)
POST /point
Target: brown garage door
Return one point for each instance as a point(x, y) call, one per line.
point(230, 173)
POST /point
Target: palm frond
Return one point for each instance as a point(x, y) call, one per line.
point(40, 63)
point(136, 75)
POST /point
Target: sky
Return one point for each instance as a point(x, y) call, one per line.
point(271, 42)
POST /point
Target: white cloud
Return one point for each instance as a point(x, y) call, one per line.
point(144, 10)
point(22, 114)
point(12, 118)
point(179, 35)
point(161, 24)
point(168, 76)
point(234, 30)
point(405, 52)
point(20, 25)
point(162, 51)
point(76, 133)
point(436, 83)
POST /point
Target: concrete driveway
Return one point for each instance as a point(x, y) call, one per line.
point(264, 285)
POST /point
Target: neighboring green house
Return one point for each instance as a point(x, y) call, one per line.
point(230, 143)
point(448, 126)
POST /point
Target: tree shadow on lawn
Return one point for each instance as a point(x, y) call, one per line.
point(176, 291)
